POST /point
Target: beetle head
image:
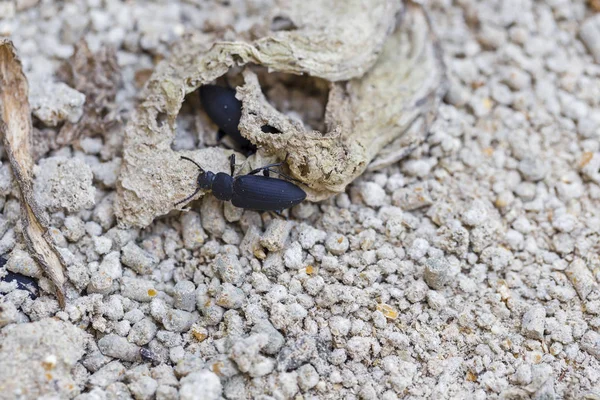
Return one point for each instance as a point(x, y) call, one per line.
point(205, 180)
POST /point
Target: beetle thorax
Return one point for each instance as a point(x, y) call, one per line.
point(222, 187)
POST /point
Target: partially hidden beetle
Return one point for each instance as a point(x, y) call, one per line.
point(225, 111)
point(251, 191)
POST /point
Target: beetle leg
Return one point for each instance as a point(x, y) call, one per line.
point(266, 167)
point(232, 163)
point(277, 214)
point(287, 177)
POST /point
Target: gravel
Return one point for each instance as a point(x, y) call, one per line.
point(468, 270)
point(39, 357)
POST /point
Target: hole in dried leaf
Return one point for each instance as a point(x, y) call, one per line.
point(161, 119)
point(303, 169)
point(269, 129)
point(303, 98)
point(282, 23)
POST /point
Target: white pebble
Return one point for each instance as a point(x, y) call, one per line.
point(418, 249)
point(372, 194)
point(118, 347)
point(337, 244)
point(55, 102)
point(184, 296)
point(138, 289)
point(437, 273)
point(276, 234)
point(193, 233)
point(64, 184)
point(138, 259)
point(581, 278)
point(533, 322)
point(203, 385)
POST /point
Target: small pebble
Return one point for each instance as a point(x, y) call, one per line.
point(138, 289)
point(337, 244)
point(193, 233)
point(204, 382)
point(230, 297)
point(74, 228)
point(142, 332)
point(184, 296)
point(589, 33)
point(276, 234)
point(417, 291)
point(118, 347)
point(412, 198)
point(138, 259)
point(143, 388)
point(178, 320)
point(20, 262)
point(533, 323)
point(229, 268)
point(581, 277)
point(211, 215)
point(372, 194)
point(437, 273)
point(590, 342)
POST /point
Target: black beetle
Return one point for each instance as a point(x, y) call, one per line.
point(225, 111)
point(251, 191)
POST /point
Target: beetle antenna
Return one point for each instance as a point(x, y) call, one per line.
point(188, 198)
point(195, 163)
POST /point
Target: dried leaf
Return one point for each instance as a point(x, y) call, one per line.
point(97, 76)
point(394, 79)
point(380, 116)
point(16, 128)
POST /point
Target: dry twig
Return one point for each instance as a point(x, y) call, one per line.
point(16, 129)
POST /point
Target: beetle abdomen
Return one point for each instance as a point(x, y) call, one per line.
point(225, 111)
point(222, 107)
point(261, 193)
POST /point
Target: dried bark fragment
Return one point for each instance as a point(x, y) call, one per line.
point(392, 83)
point(97, 76)
point(384, 113)
point(16, 129)
point(334, 40)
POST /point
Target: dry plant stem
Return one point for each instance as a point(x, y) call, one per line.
point(16, 129)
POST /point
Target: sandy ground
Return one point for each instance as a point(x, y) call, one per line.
point(469, 270)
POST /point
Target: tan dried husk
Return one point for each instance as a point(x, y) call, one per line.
point(97, 76)
point(387, 77)
point(16, 129)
